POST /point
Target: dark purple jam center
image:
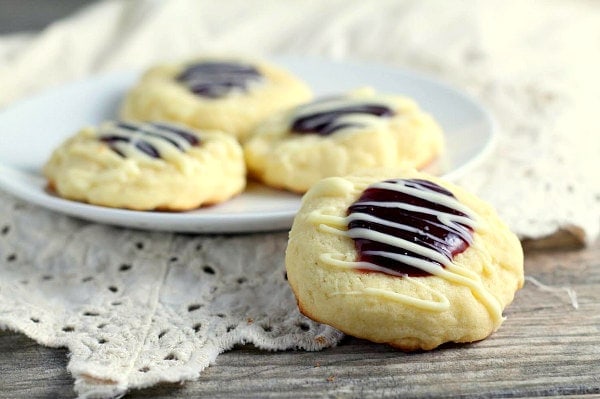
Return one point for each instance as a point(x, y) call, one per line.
point(144, 146)
point(327, 122)
point(218, 79)
point(421, 228)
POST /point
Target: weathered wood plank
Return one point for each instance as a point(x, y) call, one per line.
point(28, 370)
point(546, 347)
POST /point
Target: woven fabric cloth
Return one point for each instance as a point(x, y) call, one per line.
point(136, 308)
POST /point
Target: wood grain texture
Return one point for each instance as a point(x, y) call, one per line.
point(545, 348)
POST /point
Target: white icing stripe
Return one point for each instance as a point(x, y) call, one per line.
point(322, 106)
point(431, 196)
point(418, 263)
point(126, 149)
point(441, 304)
point(318, 217)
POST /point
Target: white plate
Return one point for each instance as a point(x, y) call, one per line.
point(31, 129)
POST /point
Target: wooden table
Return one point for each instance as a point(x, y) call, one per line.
point(546, 347)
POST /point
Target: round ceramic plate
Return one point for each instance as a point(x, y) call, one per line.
point(31, 129)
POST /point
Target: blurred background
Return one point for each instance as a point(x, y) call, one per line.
point(34, 15)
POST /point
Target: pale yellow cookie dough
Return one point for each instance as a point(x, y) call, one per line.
point(159, 96)
point(84, 168)
point(409, 313)
point(283, 159)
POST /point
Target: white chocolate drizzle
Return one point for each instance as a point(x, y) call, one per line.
point(438, 303)
point(143, 140)
point(428, 259)
point(329, 115)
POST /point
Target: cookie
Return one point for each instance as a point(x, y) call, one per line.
point(403, 258)
point(147, 166)
point(224, 94)
point(335, 136)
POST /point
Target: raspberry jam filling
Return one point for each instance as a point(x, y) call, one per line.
point(408, 226)
point(218, 79)
point(330, 115)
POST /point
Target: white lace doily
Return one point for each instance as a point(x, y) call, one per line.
point(135, 308)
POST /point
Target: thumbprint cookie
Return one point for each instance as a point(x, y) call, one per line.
point(211, 93)
point(403, 258)
point(147, 166)
point(340, 135)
